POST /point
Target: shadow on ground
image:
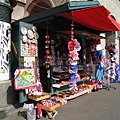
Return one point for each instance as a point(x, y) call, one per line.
point(3, 114)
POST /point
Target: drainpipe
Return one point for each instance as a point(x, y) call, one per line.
point(6, 9)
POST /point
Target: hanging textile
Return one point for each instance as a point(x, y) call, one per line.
point(99, 73)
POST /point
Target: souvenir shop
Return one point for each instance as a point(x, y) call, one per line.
point(53, 55)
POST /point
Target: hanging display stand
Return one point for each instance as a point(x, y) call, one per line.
point(111, 70)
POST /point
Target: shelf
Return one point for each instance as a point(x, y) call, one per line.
point(59, 78)
point(55, 78)
point(80, 69)
point(58, 85)
point(60, 71)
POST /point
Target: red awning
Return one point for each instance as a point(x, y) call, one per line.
point(97, 18)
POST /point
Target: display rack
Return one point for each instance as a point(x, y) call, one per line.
point(83, 71)
point(59, 79)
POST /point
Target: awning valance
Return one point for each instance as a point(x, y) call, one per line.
point(97, 18)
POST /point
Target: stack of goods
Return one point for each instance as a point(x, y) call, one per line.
point(85, 87)
point(49, 102)
point(82, 89)
point(63, 83)
point(66, 93)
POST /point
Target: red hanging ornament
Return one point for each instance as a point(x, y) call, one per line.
point(71, 42)
point(47, 46)
point(72, 31)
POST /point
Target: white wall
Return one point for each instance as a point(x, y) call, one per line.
point(18, 11)
point(113, 6)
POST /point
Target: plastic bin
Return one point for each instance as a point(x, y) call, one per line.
point(31, 114)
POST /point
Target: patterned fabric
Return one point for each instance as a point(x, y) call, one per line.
point(112, 49)
point(105, 63)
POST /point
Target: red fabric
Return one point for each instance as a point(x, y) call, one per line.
point(71, 45)
point(90, 83)
point(97, 18)
point(39, 110)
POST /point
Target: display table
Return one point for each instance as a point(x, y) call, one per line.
point(39, 98)
point(50, 108)
point(78, 94)
point(51, 112)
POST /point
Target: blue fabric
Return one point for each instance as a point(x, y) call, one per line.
point(99, 52)
point(73, 78)
point(117, 70)
point(74, 68)
point(99, 73)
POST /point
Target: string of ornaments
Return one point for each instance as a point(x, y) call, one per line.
point(72, 31)
point(73, 47)
point(47, 42)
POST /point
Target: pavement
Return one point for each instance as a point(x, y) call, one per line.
point(98, 105)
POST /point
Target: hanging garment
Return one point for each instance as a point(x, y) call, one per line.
point(39, 111)
point(117, 71)
point(99, 73)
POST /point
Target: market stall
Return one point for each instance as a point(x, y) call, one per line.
point(55, 54)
